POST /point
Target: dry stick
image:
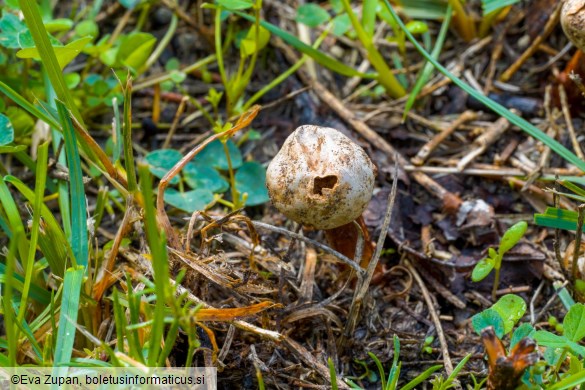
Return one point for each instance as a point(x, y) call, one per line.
point(117, 179)
point(533, 300)
point(175, 123)
point(362, 287)
point(451, 202)
point(428, 148)
point(548, 28)
point(551, 132)
point(491, 135)
point(442, 290)
point(484, 170)
point(101, 284)
point(550, 302)
point(557, 239)
point(344, 259)
point(434, 317)
point(569, 121)
point(578, 234)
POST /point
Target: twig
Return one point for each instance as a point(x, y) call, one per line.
point(569, 121)
point(550, 302)
point(533, 300)
point(483, 170)
point(362, 287)
point(578, 235)
point(491, 135)
point(175, 123)
point(434, 317)
point(428, 148)
point(317, 244)
point(548, 28)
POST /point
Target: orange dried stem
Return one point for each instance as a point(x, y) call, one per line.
point(162, 217)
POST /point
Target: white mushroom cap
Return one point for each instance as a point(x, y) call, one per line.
point(320, 178)
point(573, 22)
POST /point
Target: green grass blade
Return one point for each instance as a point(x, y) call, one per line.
point(24, 104)
point(120, 320)
point(59, 254)
point(127, 134)
point(134, 347)
point(557, 219)
point(33, 19)
point(369, 16)
point(14, 220)
point(421, 378)
point(68, 315)
point(573, 187)
point(490, 6)
point(158, 249)
point(569, 382)
point(318, 56)
point(37, 292)
point(9, 320)
point(41, 178)
point(79, 238)
point(497, 108)
point(427, 70)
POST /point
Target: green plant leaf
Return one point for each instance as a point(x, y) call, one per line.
point(421, 378)
point(547, 339)
point(68, 315)
point(201, 176)
point(488, 317)
point(569, 382)
point(248, 44)
point(65, 54)
point(521, 332)
point(574, 323)
point(6, 130)
point(129, 4)
point(250, 179)
point(312, 15)
point(512, 236)
point(214, 156)
point(482, 269)
point(135, 50)
point(161, 161)
point(341, 25)
point(58, 25)
point(87, 28)
point(511, 308)
point(189, 201)
point(490, 6)
point(235, 4)
point(10, 29)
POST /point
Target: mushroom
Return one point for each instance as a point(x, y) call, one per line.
point(322, 179)
point(573, 22)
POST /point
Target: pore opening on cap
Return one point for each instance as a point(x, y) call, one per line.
point(319, 183)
